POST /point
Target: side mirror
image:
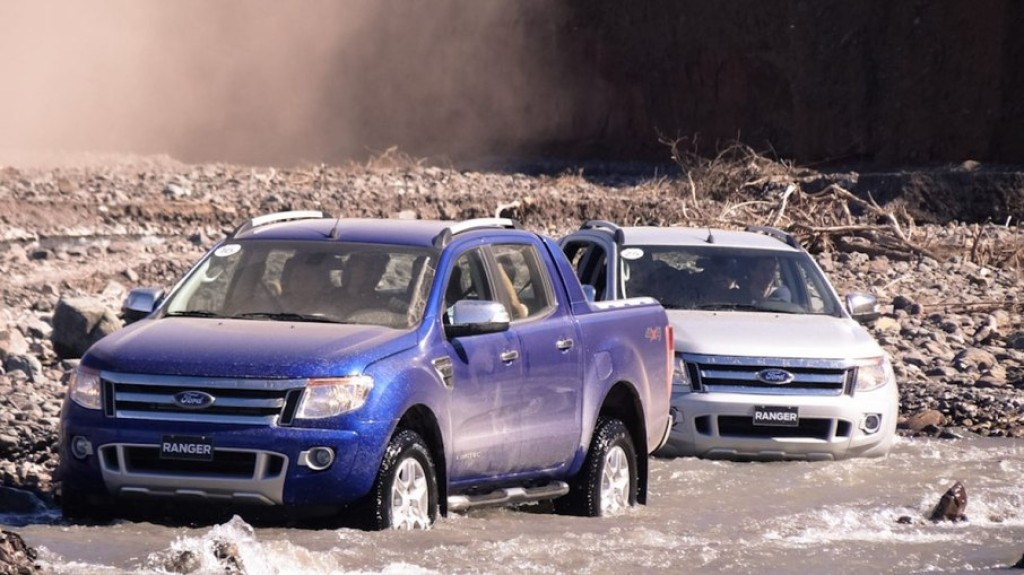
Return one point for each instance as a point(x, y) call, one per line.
point(473, 317)
point(140, 303)
point(862, 307)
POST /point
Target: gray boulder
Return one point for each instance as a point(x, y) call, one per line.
point(79, 322)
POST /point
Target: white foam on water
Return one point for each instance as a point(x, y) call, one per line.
point(844, 524)
point(277, 557)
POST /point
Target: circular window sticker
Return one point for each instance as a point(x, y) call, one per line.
point(228, 250)
point(631, 254)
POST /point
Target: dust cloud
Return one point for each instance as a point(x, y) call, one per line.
point(264, 81)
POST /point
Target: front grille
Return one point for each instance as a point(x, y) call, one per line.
point(729, 374)
point(241, 401)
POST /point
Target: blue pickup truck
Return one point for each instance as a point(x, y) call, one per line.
point(383, 370)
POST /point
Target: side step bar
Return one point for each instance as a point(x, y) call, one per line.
point(508, 496)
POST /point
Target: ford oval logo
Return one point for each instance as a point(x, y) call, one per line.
point(193, 399)
point(774, 376)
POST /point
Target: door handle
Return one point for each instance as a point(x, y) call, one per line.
point(564, 344)
point(509, 355)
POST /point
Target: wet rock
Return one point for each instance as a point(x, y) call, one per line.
point(19, 501)
point(183, 562)
point(16, 558)
point(951, 505)
point(227, 552)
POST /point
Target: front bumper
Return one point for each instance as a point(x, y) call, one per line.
point(721, 426)
point(263, 466)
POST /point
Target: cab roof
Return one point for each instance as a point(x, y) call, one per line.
point(680, 236)
point(312, 225)
point(757, 237)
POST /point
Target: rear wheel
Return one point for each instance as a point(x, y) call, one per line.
point(404, 495)
point(607, 484)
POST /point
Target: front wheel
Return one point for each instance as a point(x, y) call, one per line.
point(404, 495)
point(80, 507)
point(608, 482)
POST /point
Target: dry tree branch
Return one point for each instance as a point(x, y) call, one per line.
point(782, 206)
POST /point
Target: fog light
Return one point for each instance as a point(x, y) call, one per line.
point(317, 458)
point(872, 423)
point(81, 447)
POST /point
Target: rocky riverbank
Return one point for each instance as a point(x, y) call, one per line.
point(76, 235)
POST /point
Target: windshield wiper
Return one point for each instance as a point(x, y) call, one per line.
point(282, 316)
point(764, 307)
point(193, 313)
point(728, 306)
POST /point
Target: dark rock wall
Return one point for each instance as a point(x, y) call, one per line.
point(874, 82)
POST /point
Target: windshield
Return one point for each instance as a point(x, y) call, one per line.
point(717, 278)
point(308, 281)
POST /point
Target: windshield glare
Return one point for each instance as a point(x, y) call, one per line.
point(312, 281)
point(692, 278)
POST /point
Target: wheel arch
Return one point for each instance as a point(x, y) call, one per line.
point(421, 419)
point(623, 403)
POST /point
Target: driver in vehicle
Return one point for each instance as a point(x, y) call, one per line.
point(762, 282)
point(306, 286)
point(363, 272)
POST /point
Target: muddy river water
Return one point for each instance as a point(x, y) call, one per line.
point(703, 517)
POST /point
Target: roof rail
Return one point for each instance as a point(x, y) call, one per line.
point(446, 234)
point(775, 233)
point(620, 235)
point(277, 217)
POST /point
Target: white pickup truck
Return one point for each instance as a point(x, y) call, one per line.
point(770, 363)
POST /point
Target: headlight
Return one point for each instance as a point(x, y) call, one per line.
point(680, 376)
point(333, 396)
point(84, 388)
point(871, 376)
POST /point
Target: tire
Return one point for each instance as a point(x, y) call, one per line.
point(608, 483)
point(404, 495)
point(79, 507)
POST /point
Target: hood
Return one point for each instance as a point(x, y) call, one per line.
point(243, 348)
point(762, 334)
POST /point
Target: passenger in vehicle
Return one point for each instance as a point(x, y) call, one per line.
point(650, 278)
point(508, 276)
point(719, 282)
